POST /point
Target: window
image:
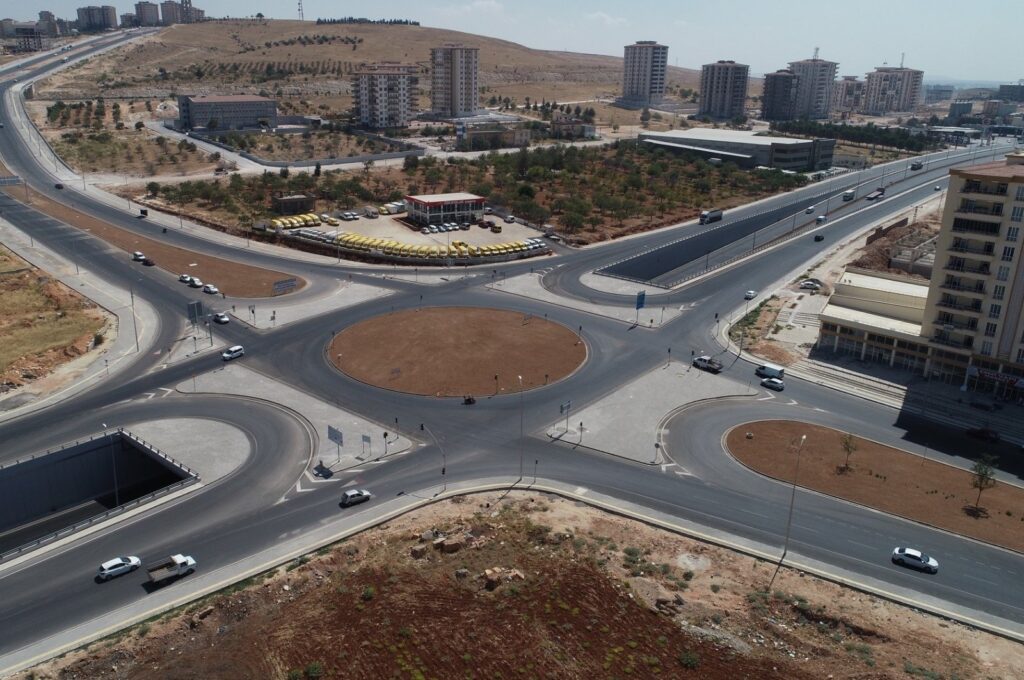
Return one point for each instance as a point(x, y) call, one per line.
point(1018, 214)
point(1003, 274)
point(998, 292)
point(1012, 233)
point(1020, 193)
point(1020, 356)
point(990, 330)
point(994, 311)
point(986, 348)
point(1008, 252)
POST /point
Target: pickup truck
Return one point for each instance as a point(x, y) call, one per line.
point(173, 566)
point(708, 364)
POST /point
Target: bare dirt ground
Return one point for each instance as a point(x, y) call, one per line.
point(232, 278)
point(885, 478)
point(457, 351)
point(296, 147)
point(573, 593)
point(43, 325)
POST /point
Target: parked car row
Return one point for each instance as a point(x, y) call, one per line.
point(447, 226)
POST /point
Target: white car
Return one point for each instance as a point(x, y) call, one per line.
point(118, 566)
point(938, 188)
point(750, 295)
point(773, 384)
point(510, 219)
point(809, 210)
point(354, 497)
point(221, 317)
point(810, 285)
point(232, 353)
point(211, 289)
point(185, 278)
point(915, 559)
point(195, 283)
point(137, 256)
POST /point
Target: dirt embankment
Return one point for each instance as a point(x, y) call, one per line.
point(536, 587)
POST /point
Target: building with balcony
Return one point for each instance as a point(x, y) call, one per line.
point(816, 79)
point(147, 13)
point(385, 95)
point(971, 324)
point(454, 80)
point(723, 89)
point(643, 74)
point(458, 207)
point(170, 13)
point(848, 95)
point(892, 89)
point(93, 18)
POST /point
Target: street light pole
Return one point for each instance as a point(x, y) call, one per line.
point(444, 458)
point(521, 412)
point(792, 502)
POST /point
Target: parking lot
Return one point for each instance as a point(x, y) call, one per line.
point(391, 227)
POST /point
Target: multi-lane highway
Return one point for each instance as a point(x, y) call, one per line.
point(241, 515)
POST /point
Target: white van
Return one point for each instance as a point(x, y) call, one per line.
point(770, 371)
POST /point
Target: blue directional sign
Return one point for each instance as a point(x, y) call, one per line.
point(641, 297)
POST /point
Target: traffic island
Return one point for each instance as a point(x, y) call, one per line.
point(457, 351)
point(884, 478)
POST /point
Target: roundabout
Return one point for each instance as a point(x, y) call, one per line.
point(457, 351)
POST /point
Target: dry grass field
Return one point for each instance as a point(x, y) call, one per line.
point(296, 60)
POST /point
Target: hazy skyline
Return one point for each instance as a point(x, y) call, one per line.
point(939, 37)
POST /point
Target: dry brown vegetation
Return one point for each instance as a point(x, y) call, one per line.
point(44, 323)
point(884, 478)
point(573, 593)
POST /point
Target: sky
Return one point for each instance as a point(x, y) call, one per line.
point(977, 41)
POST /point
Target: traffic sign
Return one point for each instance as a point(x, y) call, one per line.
point(284, 285)
point(641, 297)
point(335, 435)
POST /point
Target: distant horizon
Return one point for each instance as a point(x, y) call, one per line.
point(767, 37)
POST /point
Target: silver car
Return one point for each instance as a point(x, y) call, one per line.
point(118, 566)
point(915, 559)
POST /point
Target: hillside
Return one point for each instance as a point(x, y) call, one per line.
point(302, 58)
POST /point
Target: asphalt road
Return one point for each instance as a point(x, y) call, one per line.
point(240, 515)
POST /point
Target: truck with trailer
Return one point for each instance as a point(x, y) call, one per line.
point(876, 194)
point(708, 364)
point(172, 567)
point(712, 215)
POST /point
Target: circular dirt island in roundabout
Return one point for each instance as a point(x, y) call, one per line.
point(457, 351)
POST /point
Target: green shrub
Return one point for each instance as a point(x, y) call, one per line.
point(689, 659)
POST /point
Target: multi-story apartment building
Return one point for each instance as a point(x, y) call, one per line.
point(454, 79)
point(1013, 93)
point(385, 95)
point(958, 109)
point(643, 74)
point(147, 13)
point(170, 13)
point(93, 18)
point(848, 95)
point(893, 88)
point(778, 99)
point(47, 24)
point(975, 307)
point(815, 81)
point(723, 89)
point(129, 20)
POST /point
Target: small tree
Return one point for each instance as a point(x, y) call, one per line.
point(983, 475)
point(645, 116)
point(316, 170)
point(153, 188)
point(139, 125)
point(849, 446)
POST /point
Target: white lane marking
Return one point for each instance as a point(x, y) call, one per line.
point(581, 490)
point(768, 398)
point(792, 402)
point(348, 484)
point(666, 466)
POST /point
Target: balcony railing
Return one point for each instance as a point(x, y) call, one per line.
point(966, 269)
point(996, 210)
point(988, 189)
point(974, 289)
point(973, 307)
point(964, 343)
point(987, 251)
point(965, 226)
point(969, 325)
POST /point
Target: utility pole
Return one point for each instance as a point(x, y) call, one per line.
point(792, 501)
point(135, 326)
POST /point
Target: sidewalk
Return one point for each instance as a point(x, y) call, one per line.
point(81, 373)
point(628, 422)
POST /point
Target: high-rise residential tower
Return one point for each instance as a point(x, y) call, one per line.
point(643, 74)
point(815, 81)
point(723, 89)
point(454, 78)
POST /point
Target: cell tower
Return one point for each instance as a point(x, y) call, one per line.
point(301, 16)
point(815, 53)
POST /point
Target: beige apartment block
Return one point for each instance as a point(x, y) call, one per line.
point(816, 79)
point(455, 87)
point(385, 95)
point(890, 89)
point(723, 89)
point(643, 74)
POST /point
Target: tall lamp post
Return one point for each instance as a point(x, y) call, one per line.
point(792, 502)
point(521, 410)
point(444, 458)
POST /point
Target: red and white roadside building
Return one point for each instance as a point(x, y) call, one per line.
point(427, 209)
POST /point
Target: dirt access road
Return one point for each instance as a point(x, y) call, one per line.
point(573, 593)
